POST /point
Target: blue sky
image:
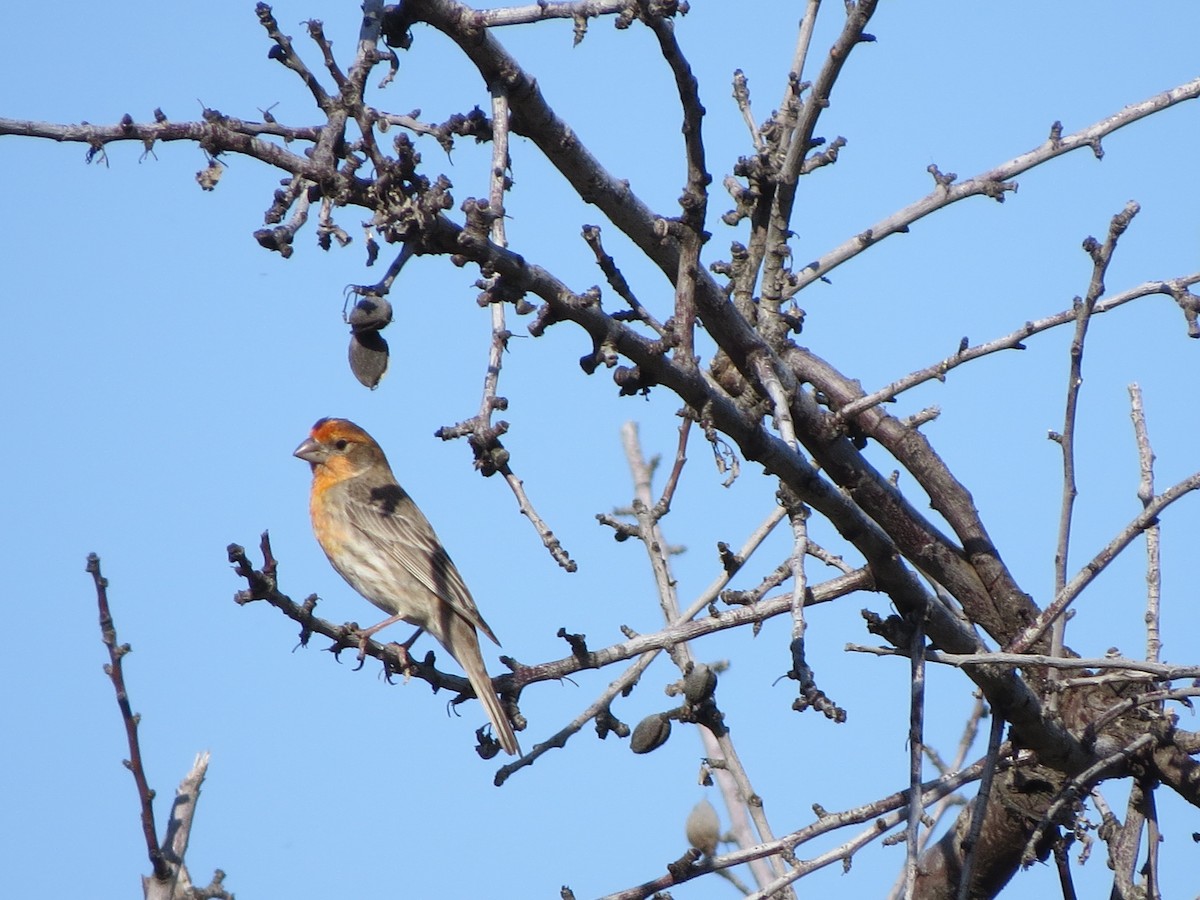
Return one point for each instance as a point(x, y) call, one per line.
point(159, 367)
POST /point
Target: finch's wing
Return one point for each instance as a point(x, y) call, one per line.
point(389, 517)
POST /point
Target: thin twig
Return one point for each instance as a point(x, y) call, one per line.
point(1145, 493)
point(883, 814)
point(1012, 341)
point(1066, 440)
point(965, 742)
point(752, 804)
point(353, 89)
point(741, 95)
point(797, 143)
point(738, 560)
point(1160, 671)
point(694, 202)
point(286, 54)
point(1153, 840)
point(916, 753)
point(932, 791)
point(484, 437)
point(652, 537)
point(808, 22)
point(558, 740)
point(944, 804)
point(1100, 561)
point(591, 234)
point(163, 871)
point(631, 675)
point(993, 183)
point(979, 806)
point(549, 540)
point(741, 827)
point(498, 186)
point(663, 506)
point(1150, 698)
point(316, 31)
point(858, 16)
point(799, 518)
point(780, 402)
point(1101, 257)
point(382, 287)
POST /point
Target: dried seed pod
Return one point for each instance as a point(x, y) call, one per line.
point(368, 358)
point(651, 733)
point(488, 747)
point(370, 314)
point(703, 828)
point(208, 177)
point(699, 684)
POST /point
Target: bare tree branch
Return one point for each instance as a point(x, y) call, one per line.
point(995, 182)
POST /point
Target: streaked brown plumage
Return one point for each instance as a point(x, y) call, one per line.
point(381, 543)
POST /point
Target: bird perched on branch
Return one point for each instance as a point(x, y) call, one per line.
point(381, 543)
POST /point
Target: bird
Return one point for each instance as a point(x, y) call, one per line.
point(377, 539)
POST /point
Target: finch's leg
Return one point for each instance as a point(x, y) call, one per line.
point(366, 634)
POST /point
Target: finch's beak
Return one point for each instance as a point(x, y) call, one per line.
point(311, 452)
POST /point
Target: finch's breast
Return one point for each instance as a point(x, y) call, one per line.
point(365, 563)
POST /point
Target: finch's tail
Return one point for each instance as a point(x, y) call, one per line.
point(471, 659)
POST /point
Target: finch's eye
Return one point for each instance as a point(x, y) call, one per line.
point(341, 445)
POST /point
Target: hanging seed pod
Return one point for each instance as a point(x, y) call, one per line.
point(651, 733)
point(699, 684)
point(487, 747)
point(368, 358)
point(703, 828)
point(370, 314)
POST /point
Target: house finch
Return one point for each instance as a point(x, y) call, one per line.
point(379, 541)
